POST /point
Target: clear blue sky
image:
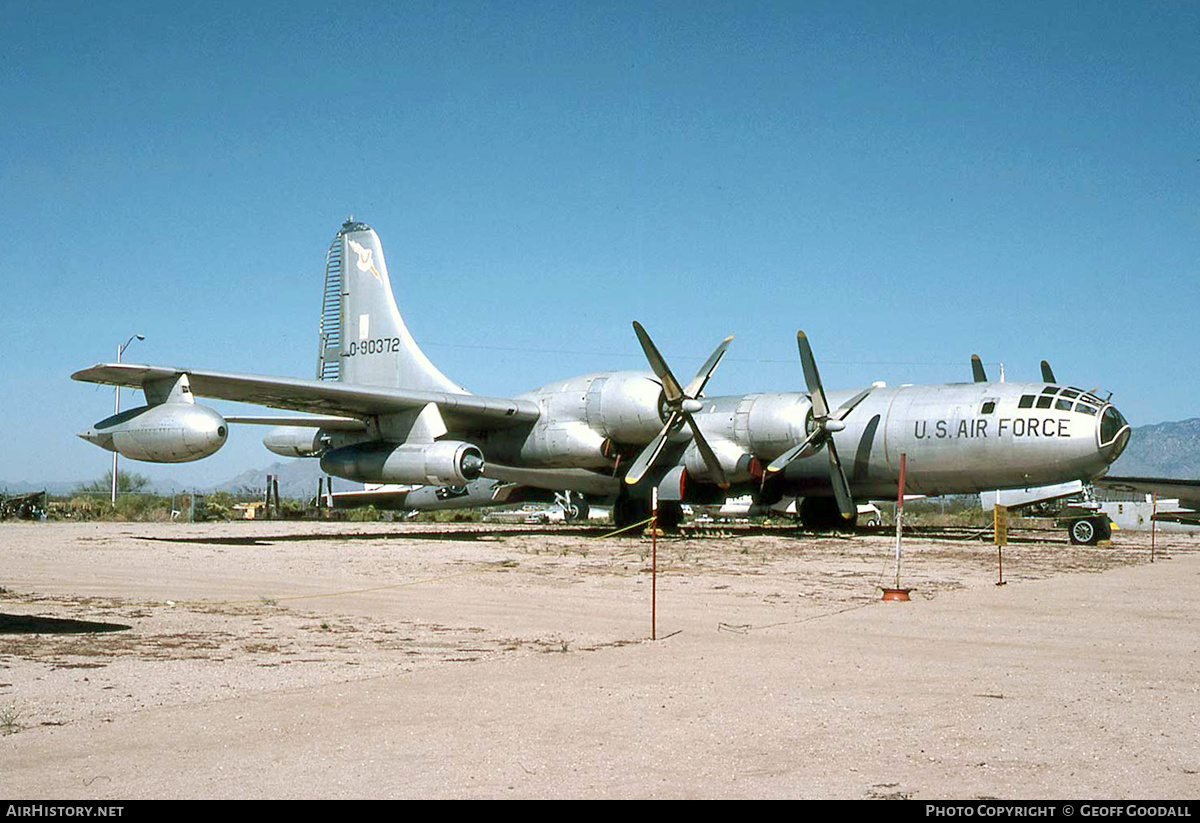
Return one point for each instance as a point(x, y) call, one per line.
point(908, 182)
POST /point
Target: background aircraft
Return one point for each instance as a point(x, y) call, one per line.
point(381, 412)
point(482, 493)
point(1178, 500)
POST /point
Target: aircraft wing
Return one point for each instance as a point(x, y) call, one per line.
point(578, 480)
point(1188, 517)
point(460, 411)
point(1187, 491)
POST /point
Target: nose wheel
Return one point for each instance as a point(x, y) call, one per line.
point(1088, 531)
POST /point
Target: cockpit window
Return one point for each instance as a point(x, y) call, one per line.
point(1050, 390)
point(1086, 409)
point(1111, 424)
point(1044, 401)
point(1026, 402)
point(1071, 392)
point(1062, 404)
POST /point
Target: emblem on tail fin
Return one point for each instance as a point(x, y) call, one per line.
point(365, 255)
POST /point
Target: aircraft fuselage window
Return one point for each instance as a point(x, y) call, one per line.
point(1026, 402)
point(989, 406)
point(1044, 401)
point(1111, 424)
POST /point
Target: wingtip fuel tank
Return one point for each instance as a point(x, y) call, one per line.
point(163, 433)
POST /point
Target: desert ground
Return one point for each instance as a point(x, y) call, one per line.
point(287, 660)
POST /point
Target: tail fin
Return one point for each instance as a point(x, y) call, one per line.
point(363, 338)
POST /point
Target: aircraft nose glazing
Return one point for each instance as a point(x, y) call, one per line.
point(1112, 433)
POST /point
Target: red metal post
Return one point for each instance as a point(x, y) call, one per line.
point(654, 568)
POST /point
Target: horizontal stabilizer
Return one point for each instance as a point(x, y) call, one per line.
point(1014, 498)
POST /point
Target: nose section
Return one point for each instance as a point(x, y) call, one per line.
point(102, 439)
point(1112, 433)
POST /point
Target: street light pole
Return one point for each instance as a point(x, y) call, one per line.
point(117, 410)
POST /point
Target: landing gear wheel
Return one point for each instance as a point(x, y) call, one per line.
point(577, 512)
point(670, 515)
point(626, 512)
point(1088, 531)
point(821, 514)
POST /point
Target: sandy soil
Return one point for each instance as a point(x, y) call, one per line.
point(386, 660)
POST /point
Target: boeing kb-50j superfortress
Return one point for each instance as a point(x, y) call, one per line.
point(381, 412)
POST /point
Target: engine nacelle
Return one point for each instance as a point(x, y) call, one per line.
point(305, 441)
point(162, 433)
point(627, 407)
point(737, 464)
point(446, 462)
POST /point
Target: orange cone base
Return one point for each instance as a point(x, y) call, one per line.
point(896, 594)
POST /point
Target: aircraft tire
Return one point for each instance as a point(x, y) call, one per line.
point(626, 512)
point(670, 515)
point(1087, 531)
point(821, 514)
point(578, 512)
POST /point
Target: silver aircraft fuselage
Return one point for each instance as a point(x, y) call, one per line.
point(958, 438)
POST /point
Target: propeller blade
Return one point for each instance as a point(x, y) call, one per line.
point(670, 385)
point(649, 454)
point(841, 488)
point(701, 379)
point(780, 463)
point(1048, 373)
point(812, 377)
point(710, 457)
point(847, 407)
point(977, 369)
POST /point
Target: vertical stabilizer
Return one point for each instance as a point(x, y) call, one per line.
point(363, 338)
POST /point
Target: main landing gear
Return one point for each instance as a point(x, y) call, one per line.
point(821, 514)
point(628, 511)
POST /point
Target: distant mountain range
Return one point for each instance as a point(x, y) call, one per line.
point(297, 479)
point(1162, 450)
point(1159, 450)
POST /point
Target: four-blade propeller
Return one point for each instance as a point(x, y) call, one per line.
point(681, 403)
point(825, 424)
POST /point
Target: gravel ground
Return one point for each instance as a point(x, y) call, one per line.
point(413, 660)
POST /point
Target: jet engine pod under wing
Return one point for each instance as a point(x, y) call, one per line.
point(445, 462)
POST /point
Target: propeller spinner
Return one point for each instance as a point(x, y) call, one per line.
point(681, 403)
point(825, 423)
